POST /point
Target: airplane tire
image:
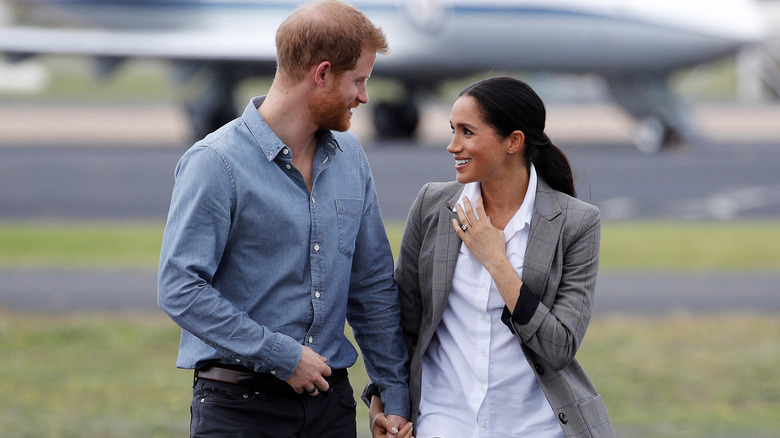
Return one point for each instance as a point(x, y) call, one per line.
point(395, 121)
point(651, 135)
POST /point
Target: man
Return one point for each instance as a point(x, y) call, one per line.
point(274, 238)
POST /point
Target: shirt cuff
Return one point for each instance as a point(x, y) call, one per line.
point(525, 308)
point(369, 391)
point(396, 400)
point(283, 359)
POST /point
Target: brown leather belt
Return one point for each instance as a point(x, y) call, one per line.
point(259, 381)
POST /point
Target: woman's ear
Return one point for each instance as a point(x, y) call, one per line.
point(516, 142)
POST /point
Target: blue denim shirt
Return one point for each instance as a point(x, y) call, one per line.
point(253, 266)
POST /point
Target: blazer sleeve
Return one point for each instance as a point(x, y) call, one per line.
point(407, 272)
point(555, 333)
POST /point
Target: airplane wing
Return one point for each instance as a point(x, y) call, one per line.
point(190, 45)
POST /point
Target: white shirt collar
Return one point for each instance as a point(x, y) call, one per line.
point(523, 215)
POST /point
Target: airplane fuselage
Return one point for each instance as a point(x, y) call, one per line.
point(450, 38)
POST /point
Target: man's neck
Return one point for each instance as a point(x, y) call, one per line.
point(285, 111)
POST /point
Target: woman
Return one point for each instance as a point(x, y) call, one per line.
point(493, 325)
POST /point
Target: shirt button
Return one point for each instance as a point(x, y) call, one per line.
point(311, 339)
point(288, 166)
point(238, 360)
point(316, 246)
point(312, 200)
point(317, 294)
point(484, 425)
point(273, 372)
point(482, 388)
point(484, 318)
point(285, 151)
point(484, 289)
point(483, 353)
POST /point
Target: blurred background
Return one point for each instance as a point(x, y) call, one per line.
point(668, 111)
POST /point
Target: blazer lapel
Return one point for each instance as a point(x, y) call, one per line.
point(543, 239)
point(446, 255)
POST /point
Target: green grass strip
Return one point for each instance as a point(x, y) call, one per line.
point(625, 246)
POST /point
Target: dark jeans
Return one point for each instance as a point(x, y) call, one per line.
point(225, 410)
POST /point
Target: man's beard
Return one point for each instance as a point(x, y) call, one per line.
point(329, 111)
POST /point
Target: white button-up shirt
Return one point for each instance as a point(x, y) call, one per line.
point(476, 382)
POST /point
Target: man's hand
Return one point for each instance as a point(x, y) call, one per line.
point(309, 375)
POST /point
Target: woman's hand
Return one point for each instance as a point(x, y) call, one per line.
point(487, 244)
point(485, 241)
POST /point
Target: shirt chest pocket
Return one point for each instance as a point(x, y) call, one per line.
point(348, 212)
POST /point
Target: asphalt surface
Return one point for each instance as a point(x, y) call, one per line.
point(648, 294)
point(45, 176)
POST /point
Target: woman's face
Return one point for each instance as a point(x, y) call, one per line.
point(479, 153)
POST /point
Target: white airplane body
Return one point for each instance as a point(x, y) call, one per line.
point(633, 44)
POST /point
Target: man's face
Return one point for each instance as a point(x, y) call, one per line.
point(332, 106)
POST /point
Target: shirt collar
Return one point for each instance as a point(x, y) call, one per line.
point(266, 138)
point(523, 215)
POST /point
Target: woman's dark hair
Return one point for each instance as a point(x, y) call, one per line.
point(509, 105)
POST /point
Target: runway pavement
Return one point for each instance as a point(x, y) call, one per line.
point(641, 293)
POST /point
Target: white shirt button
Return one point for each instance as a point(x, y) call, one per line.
point(482, 388)
point(285, 151)
point(273, 372)
point(312, 200)
point(316, 246)
point(288, 166)
point(484, 288)
point(317, 294)
point(311, 339)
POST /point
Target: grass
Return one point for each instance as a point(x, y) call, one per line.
point(99, 375)
point(636, 246)
point(80, 245)
point(113, 375)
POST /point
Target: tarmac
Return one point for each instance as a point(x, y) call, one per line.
point(156, 125)
point(635, 293)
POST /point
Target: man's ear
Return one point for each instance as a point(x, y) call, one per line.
point(321, 72)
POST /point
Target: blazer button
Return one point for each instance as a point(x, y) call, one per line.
point(539, 368)
point(563, 418)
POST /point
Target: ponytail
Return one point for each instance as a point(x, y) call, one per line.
point(552, 166)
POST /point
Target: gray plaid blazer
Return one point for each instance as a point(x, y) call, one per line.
point(560, 268)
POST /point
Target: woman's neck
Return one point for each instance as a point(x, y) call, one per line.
point(502, 197)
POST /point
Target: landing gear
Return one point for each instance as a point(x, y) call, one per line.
point(396, 120)
point(662, 117)
point(652, 135)
point(214, 106)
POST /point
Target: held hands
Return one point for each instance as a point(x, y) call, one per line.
point(391, 426)
point(309, 377)
point(485, 241)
